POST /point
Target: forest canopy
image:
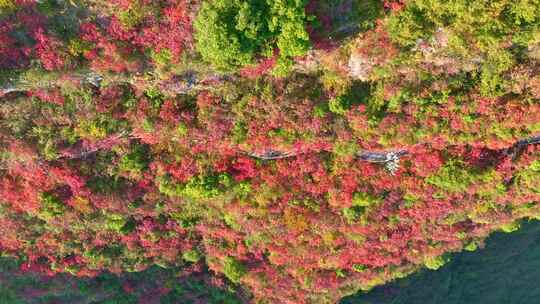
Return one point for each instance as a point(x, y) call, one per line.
point(289, 151)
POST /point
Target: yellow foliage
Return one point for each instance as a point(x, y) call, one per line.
point(6, 5)
point(82, 205)
point(295, 221)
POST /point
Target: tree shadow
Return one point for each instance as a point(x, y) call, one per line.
point(337, 20)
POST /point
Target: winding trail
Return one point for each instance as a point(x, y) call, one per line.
point(187, 83)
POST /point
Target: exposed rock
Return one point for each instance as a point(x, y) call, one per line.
point(360, 66)
point(436, 57)
point(533, 51)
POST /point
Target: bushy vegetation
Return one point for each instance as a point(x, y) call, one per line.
point(300, 150)
point(233, 33)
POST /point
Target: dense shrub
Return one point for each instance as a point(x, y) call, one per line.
point(123, 146)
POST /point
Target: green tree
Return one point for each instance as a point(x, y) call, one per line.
point(232, 33)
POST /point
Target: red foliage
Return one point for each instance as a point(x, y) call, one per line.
point(115, 45)
point(48, 50)
point(52, 96)
point(259, 69)
point(12, 55)
point(243, 168)
point(395, 5)
point(183, 170)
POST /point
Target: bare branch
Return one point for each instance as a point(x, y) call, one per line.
point(271, 154)
point(380, 157)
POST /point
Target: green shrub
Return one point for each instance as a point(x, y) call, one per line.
point(435, 263)
point(352, 214)
point(491, 80)
point(363, 199)
point(106, 184)
point(51, 206)
point(114, 221)
point(233, 269)
point(133, 16)
point(337, 105)
point(359, 267)
point(192, 256)
point(135, 161)
point(46, 138)
point(98, 128)
point(198, 187)
point(511, 227)
point(456, 176)
point(472, 246)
